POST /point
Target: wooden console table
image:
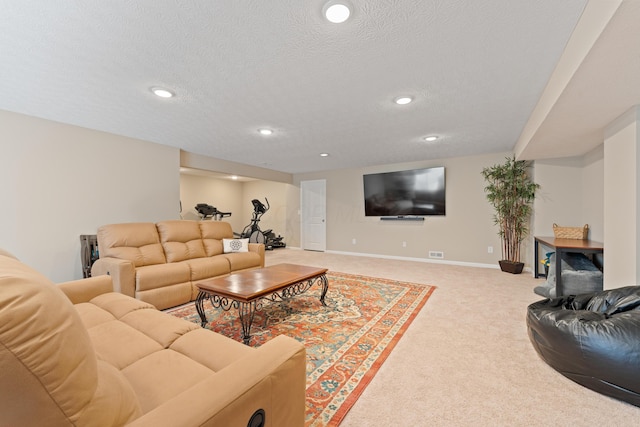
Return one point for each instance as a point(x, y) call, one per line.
point(562, 246)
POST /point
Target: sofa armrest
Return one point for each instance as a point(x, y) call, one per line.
point(273, 378)
point(122, 272)
point(259, 249)
point(84, 290)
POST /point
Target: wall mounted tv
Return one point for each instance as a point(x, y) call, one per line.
point(416, 192)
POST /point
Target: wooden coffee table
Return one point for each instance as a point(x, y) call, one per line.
point(245, 290)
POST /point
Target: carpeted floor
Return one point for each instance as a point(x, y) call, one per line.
point(346, 342)
point(466, 359)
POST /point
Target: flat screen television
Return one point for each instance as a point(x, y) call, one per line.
point(405, 193)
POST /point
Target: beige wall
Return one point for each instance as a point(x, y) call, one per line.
point(559, 198)
point(61, 181)
point(621, 201)
point(464, 234)
point(223, 194)
point(235, 197)
point(571, 194)
point(293, 216)
point(593, 193)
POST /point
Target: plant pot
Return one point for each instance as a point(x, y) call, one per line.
point(511, 266)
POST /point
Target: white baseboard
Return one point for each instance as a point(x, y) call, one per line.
point(401, 258)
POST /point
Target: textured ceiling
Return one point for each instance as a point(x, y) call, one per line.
point(475, 68)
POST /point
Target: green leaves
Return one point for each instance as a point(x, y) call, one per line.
point(511, 192)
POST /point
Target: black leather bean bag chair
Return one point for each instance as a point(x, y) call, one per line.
point(592, 339)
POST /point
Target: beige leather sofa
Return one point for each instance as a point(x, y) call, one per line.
point(161, 263)
point(79, 354)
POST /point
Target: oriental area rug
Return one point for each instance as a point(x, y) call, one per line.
point(346, 342)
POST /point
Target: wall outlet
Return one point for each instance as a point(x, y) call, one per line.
point(404, 244)
point(489, 249)
point(436, 254)
point(353, 241)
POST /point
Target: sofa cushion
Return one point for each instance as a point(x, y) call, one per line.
point(93, 315)
point(136, 242)
point(212, 233)
point(181, 240)
point(155, 324)
point(111, 337)
point(206, 268)
point(168, 296)
point(118, 304)
point(214, 351)
point(47, 355)
point(162, 375)
point(114, 403)
point(157, 276)
point(243, 260)
point(134, 325)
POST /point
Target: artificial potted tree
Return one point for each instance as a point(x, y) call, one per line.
point(511, 192)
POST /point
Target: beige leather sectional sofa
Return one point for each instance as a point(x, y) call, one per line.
point(79, 354)
point(161, 263)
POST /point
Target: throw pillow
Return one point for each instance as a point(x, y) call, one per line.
point(235, 245)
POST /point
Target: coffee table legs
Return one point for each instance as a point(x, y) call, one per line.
point(325, 287)
point(216, 302)
point(246, 311)
point(200, 308)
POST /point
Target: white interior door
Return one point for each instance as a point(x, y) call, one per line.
point(313, 203)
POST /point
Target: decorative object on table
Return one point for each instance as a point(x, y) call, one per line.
point(546, 262)
point(592, 339)
point(577, 233)
point(346, 342)
point(511, 192)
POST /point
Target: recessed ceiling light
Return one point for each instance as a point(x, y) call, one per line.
point(403, 100)
point(234, 177)
point(265, 131)
point(162, 92)
point(336, 12)
point(324, 154)
point(430, 138)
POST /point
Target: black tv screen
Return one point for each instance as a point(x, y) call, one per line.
point(414, 192)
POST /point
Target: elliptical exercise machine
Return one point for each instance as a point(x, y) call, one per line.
point(253, 232)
